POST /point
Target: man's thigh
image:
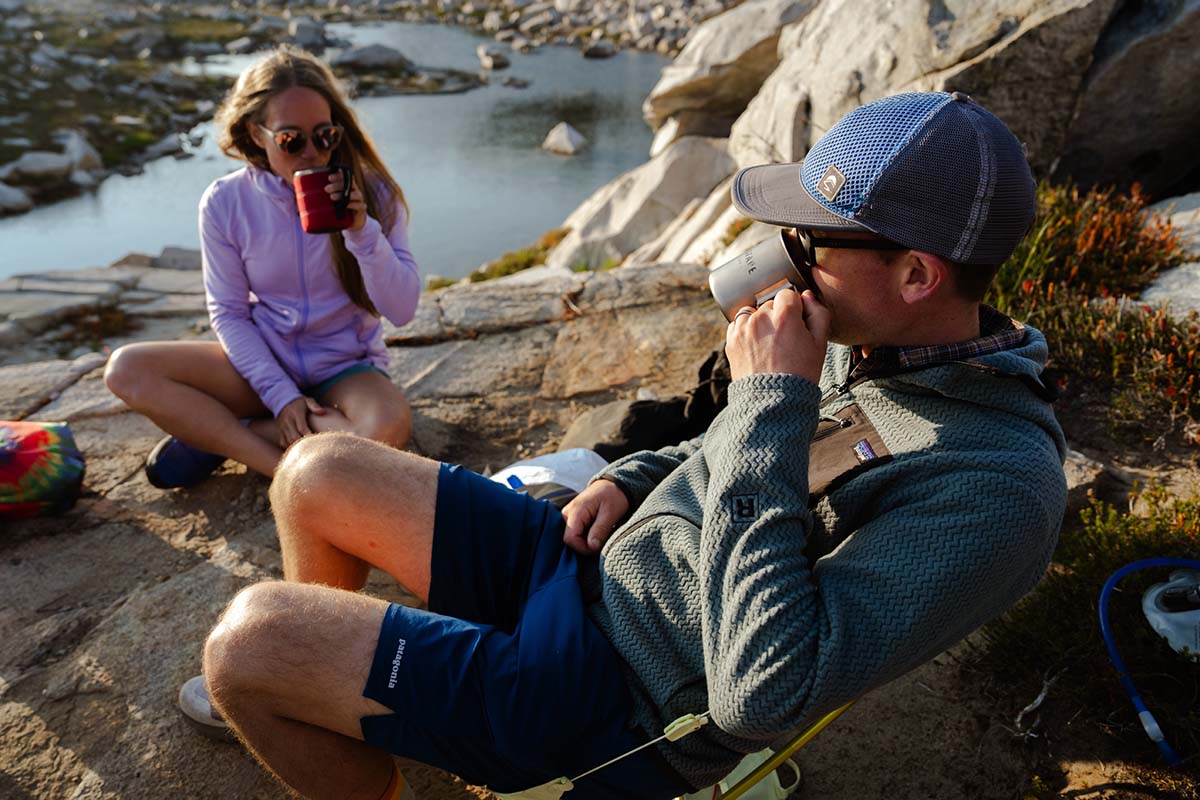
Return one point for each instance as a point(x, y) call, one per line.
point(304, 649)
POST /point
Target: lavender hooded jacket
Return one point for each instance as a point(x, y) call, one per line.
point(274, 297)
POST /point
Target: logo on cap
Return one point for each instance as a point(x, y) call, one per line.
point(831, 183)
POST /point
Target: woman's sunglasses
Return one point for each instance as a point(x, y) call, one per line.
point(293, 140)
point(809, 244)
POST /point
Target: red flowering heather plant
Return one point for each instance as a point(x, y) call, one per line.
point(1075, 276)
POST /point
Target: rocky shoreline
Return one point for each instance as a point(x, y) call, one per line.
point(103, 610)
point(105, 93)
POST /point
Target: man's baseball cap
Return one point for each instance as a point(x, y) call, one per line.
point(933, 171)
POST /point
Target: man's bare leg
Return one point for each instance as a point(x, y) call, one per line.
point(286, 667)
point(343, 503)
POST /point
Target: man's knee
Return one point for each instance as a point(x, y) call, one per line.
point(311, 469)
point(249, 637)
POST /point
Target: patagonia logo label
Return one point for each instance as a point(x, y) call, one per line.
point(396, 664)
point(745, 507)
point(831, 183)
point(863, 451)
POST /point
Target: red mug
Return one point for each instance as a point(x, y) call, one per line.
point(319, 213)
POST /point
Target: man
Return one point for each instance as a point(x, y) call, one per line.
point(853, 511)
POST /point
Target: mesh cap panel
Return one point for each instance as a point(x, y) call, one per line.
point(961, 189)
point(863, 143)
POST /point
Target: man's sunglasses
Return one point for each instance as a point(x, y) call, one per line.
point(293, 140)
point(807, 252)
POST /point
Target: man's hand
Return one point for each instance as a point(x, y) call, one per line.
point(593, 515)
point(786, 334)
point(293, 419)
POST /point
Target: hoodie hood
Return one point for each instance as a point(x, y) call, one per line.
point(1010, 381)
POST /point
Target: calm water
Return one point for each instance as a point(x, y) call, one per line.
point(470, 164)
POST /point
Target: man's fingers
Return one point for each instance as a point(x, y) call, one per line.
point(816, 316)
point(602, 527)
point(314, 407)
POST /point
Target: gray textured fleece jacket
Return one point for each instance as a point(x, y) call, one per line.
point(818, 542)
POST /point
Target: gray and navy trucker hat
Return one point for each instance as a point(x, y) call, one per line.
point(933, 171)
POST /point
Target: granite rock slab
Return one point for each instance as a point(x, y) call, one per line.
point(25, 388)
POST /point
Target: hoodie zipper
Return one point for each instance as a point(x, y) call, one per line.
point(303, 302)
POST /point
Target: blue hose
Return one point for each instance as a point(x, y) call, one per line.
point(1147, 719)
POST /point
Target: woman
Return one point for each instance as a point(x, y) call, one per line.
point(300, 347)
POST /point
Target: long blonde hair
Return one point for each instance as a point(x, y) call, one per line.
point(285, 68)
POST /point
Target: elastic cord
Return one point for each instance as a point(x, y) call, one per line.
point(1144, 715)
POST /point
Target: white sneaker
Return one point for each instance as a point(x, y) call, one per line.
point(198, 710)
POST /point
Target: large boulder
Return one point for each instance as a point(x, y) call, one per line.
point(635, 207)
point(1145, 71)
point(373, 57)
point(37, 168)
point(1024, 60)
point(723, 65)
point(1180, 287)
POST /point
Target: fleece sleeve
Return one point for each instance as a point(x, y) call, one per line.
point(388, 268)
point(938, 552)
point(638, 473)
point(227, 293)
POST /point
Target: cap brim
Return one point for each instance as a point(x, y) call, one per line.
point(774, 194)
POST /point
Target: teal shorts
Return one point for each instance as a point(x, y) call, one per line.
point(318, 391)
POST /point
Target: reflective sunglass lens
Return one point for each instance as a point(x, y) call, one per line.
point(290, 142)
point(327, 138)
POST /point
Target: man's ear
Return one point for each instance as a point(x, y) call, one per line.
point(922, 276)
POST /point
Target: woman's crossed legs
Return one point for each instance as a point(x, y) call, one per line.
point(192, 391)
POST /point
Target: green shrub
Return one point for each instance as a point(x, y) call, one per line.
point(434, 284)
point(518, 260)
point(1056, 629)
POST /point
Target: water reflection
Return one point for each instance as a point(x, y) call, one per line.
point(467, 162)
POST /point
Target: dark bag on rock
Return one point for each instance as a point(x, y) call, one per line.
point(41, 469)
point(622, 427)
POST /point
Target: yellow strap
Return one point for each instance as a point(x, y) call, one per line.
point(768, 766)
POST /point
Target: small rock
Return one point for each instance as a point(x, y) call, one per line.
point(564, 140)
point(514, 82)
point(77, 148)
point(601, 48)
point(166, 146)
point(178, 258)
point(491, 57)
point(14, 200)
point(240, 46)
point(307, 32)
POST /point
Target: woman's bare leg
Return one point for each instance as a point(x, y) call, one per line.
point(369, 404)
point(192, 391)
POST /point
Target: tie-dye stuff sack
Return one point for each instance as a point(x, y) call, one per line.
point(41, 469)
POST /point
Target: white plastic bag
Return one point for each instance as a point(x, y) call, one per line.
point(571, 468)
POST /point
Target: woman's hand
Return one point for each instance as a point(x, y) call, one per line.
point(593, 515)
point(292, 420)
point(785, 334)
point(357, 205)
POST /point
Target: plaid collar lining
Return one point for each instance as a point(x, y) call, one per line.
point(997, 332)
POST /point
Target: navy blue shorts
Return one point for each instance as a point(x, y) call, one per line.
point(505, 681)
